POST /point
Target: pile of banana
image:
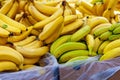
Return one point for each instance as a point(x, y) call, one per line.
point(69, 30)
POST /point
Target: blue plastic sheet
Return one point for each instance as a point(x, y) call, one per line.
point(90, 69)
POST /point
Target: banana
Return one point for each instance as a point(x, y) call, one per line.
point(59, 42)
point(30, 61)
point(35, 13)
point(95, 8)
point(69, 19)
point(113, 53)
point(112, 45)
point(4, 33)
point(19, 16)
point(8, 66)
point(55, 35)
point(35, 32)
point(95, 1)
point(106, 2)
point(21, 4)
point(107, 14)
point(90, 43)
point(3, 40)
point(96, 44)
point(42, 23)
point(6, 7)
point(67, 47)
point(100, 8)
point(114, 26)
point(21, 36)
point(113, 21)
point(52, 3)
point(79, 58)
point(13, 10)
point(102, 46)
point(9, 27)
point(9, 54)
point(25, 41)
point(117, 18)
point(96, 21)
point(116, 30)
point(101, 30)
point(112, 3)
point(12, 22)
point(71, 54)
point(34, 44)
point(105, 35)
point(47, 10)
point(32, 52)
point(114, 37)
point(31, 20)
point(67, 11)
point(79, 34)
point(50, 28)
point(72, 26)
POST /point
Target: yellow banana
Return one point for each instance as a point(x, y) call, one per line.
point(13, 10)
point(117, 17)
point(107, 14)
point(72, 54)
point(42, 23)
point(67, 11)
point(12, 22)
point(90, 43)
point(50, 28)
point(21, 4)
point(4, 33)
point(113, 53)
point(100, 8)
point(97, 20)
point(3, 41)
point(67, 47)
point(8, 66)
point(47, 10)
point(70, 18)
point(35, 13)
point(31, 20)
point(102, 46)
point(35, 32)
point(32, 53)
point(21, 36)
point(59, 42)
point(25, 41)
point(112, 45)
point(6, 7)
point(30, 61)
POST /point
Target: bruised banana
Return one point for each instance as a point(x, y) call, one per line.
point(32, 52)
point(79, 34)
point(50, 28)
point(67, 47)
point(21, 36)
point(8, 66)
point(59, 42)
point(30, 61)
point(71, 54)
point(100, 8)
point(112, 45)
point(105, 35)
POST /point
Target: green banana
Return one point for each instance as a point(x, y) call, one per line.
point(116, 30)
point(113, 26)
point(81, 33)
point(71, 54)
point(59, 42)
point(102, 46)
point(101, 30)
point(67, 47)
point(114, 37)
point(95, 1)
point(80, 58)
point(105, 35)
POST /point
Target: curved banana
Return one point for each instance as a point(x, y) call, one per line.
point(8, 66)
point(4, 33)
point(25, 41)
point(102, 46)
point(30, 61)
point(13, 10)
point(116, 30)
point(21, 4)
point(112, 45)
point(12, 22)
point(107, 14)
point(35, 32)
point(113, 53)
point(59, 42)
point(117, 18)
point(114, 26)
point(35, 13)
point(31, 19)
point(42, 23)
point(79, 34)
point(52, 3)
point(67, 47)
point(97, 20)
point(32, 53)
point(90, 43)
point(114, 37)
point(21, 36)
point(50, 28)
point(71, 54)
point(105, 35)
point(19, 16)
point(6, 7)
point(3, 41)
point(72, 26)
point(47, 10)
point(100, 8)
